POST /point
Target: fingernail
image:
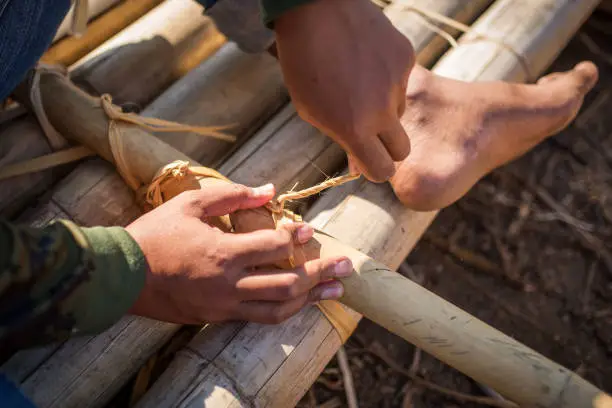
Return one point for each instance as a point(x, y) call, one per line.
point(332, 291)
point(264, 191)
point(343, 269)
point(304, 233)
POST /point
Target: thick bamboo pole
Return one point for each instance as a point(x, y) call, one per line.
point(134, 66)
point(244, 364)
point(77, 367)
point(68, 50)
point(403, 15)
point(149, 53)
point(96, 7)
point(231, 84)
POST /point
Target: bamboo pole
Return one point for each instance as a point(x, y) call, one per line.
point(172, 38)
point(96, 7)
point(255, 365)
point(134, 66)
point(68, 50)
point(404, 17)
point(76, 367)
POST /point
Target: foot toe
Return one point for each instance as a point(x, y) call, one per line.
point(580, 79)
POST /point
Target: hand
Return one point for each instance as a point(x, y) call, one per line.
point(197, 273)
point(346, 68)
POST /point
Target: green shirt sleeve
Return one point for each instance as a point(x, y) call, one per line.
point(272, 9)
point(63, 280)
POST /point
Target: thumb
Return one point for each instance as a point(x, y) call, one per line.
point(352, 165)
point(396, 140)
point(219, 200)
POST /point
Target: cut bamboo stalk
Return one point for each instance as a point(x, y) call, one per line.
point(403, 16)
point(116, 350)
point(149, 53)
point(254, 365)
point(134, 66)
point(245, 88)
point(68, 50)
point(96, 7)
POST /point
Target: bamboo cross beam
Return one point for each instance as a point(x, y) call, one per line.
point(229, 88)
point(96, 7)
point(151, 53)
point(237, 363)
point(68, 50)
point(133, 66)
point(429, 41)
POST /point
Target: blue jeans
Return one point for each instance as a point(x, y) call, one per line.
point(11, 397)
point(27, 28)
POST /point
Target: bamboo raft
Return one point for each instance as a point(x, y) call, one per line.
point(249, 364)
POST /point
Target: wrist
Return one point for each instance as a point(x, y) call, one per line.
point(117, 278)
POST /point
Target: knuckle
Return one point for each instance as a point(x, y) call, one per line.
point(278, 315)
point(316, 270)
point(290, 288)
point(240, 190)
point(283, 240)
point(191, 198)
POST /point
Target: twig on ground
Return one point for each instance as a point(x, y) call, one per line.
point(593, 47)
point(329, 384)
point(466, 256)
point(409, 392)
point(347, 378)
point(459, 396)
point(562, 213)
point(335, 402)
point(491, 392)
point(586, 297)
point(409, 388)
point(406, 270)
point(522, 216)
point(508, 266)
point(312, 398)
point(416, 361)
point(587, 239)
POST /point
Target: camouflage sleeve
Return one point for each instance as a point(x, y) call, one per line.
point(63, 280)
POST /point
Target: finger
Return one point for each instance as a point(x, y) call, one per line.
point(396, 140)
point(266, 247)
point(225, 199)
point(372, 159)
point(331, 290)
point(283, 285)
point(352, 165)
point(271, 312)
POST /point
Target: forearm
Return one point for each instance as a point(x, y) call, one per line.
point(63, 280)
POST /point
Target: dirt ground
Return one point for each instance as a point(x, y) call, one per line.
point(528, 250)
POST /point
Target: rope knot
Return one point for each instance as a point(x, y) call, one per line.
point(174, 178)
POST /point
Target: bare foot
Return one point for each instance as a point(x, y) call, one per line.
point(460, 131)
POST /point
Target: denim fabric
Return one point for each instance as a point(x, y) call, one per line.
point(10, 395)
point(27, 28)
